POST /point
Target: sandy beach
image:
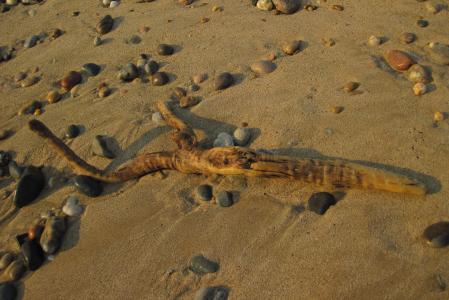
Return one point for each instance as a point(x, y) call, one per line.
point(136, 240)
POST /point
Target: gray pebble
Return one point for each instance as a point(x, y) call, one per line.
point(51, 237)
point(201, 265)
point(15, 171)
point(97, 41)
point(437, 235)
point(203, 192)
point(129, 72)
point(31, 41)
point(224, 140)
point(223, 81)
point(212, 293)
point(319, 203)
point(242, 136)
point(224, 199)
point(92, 69)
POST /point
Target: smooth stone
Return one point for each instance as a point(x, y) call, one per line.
point(224, 140)
point(8, 291)
point(141, 63)
point(201, 265)
point(100, 147)
point(193, 88)
point(212, 293)
point(70, 80)
point(72, 207)
point(265, 5)
point(151, 67)
point(159, 78)
point(287, 6)
point(422, 23)
point(134, 39)
point(106, 3)
point(114, 4)
point(35, 232)
point(242, 136)
point(5, 158)
point(199, 78)
point(92, 69)
point(224, 199)
point(30, 107)
point(33, 254)
point(418, 73)
point(15, 171)
point(88, 186)
point(398, 60)
point(129, 72)
point(189, 101)
point(350, 86)
point(263, 67)
point(31, 41)
point(6, 260)
point(12, 2)
point(437, 235)
point(320, 202)
point(29, 81)
point(203, 192)
point(51, 237)
point(419, 89)
point(291, 47)
point(223, 81)
point(374, 41)
point(157, 118)
point(164, 49)
point(105, 25)
point(407, 38)
point(15, 270)
point(97, 41)
point(53, 97)
point(438, 53)
point(178, 93)
point(72, 131)
point(30, 185)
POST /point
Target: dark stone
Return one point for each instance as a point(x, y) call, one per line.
point(8, 291)
point(129, 72)
point(159, 78)
point(70, 80)
point(320, 202)
point(135, 39)
point(92, 69)
point(223, 81)
point(100, 147)
point(437, 235)
point(164, 49)
point(287, 6)
point(21, 239)
point(201, 265)
point(422, 23)
point(204, 192)
point(224, 199)
point(151, 67)
point(212, 293)
point(5, 158)
point(105, 25)
point(72, 131)
point(88, 186)
point(15, 171)
point(33, 254)
point(254, 2)
point(30, 185)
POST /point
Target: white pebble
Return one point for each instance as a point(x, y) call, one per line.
point(72, 207)
point(374, 41)
point(106, 3)
point(157, 118)
point(265, 5)
point(224, 140)
point(242, 136)
point(114, 4)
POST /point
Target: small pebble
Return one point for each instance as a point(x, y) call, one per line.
point(185, 2)
point(97, 41)
point(20, 76)
point(31, 41)
point(374, 41)
point(128, 73)
point(320, 202)
point(291, 47)
point(223, 81)
point(6, 260)
point(35, 232)
point(422, 23)
point(15, 270)
point(224, 140)
point(29, 81)
point(15, 171)
point(72, 131)
point(114, 4)
point(266, 5)
point(105, 25)
point(337, 7)
point(350, 86)
point(164, 49)
point(263, 67)
point(104, 92)
point(189, 101)
point(203, 192)
point(5, 158)
point(53, 97)
point(407, 38)
point(106, 3)
point(30, 185)
point(224, 199)
point(100, 147)
point(212, 293)
point(72, 207)
point(74, 92)
point(151, 67)
point(4, 134)
point(157, 118)
point(88, 186)
point(8, 291)
point(92, 69)
point(159, 78)
point(55, 33)
point(439, 53)
point(287, 6)
point(438, 116)
point(51, 237)
point(242, 136)
point(193, 88)
point(418, 73)
point(433, 8)
point(336, 109)
point(72, 79)
point(134, 39)
point(199, 78)
point(30, 107)
point(398, 60)
point(201, 265)
point(419, 89)
point(437, 235)
point(178, 93)
point(33, 255)
point(328, 42)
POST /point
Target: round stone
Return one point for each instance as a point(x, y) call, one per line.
point(422, 23)
point(291, 47)
point(224, 199)
point(263, 67)
point(199, 78)
point(55, 227)
point(374, 41)
point(224, 140)
point(320, 202)
point(223, 81)
point(88, 186)
point(70, 80)
point(419, 89)
point(350, 86)
point(287, 6)
point(30, 185)
point(151, 67)
point(8, 291)
point(92, 69)
point(105, 25)
point(201, 265)
point(53, 97)
point(72, 131)
point(114, 4)
point(265, 5)
point(242, 136)
point(418, 73)
point(33, 255)
point(129, 72)
point(72, 207)
point(164, 49)
point(203, 192)
point(437, 235)
point(159, 78)
point(407, 38)
point(398, 60)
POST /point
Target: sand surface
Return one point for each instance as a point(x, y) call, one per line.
point(136, 239)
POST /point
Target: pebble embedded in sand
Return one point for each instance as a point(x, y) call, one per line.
point(159, 78)
point(287, 6)
point(199, 78)
point(437, 235)
point(189, 101)
point(419, 89)
point(88, 185)
point(374, 41)
point(91, 69)
point(5, 158)
point(418, 73)
point(224, 140)
point(185, 2)
point(224, 199)
point(114, 4)
point(30, 107)
point(203, 192)
point(201, 265)
point(319, 203)
point(128, 72)
point(31, 41)
point(70, 80)
point(291, 47)
point(265, 5)
point(242, 136)
point(336, 109)
point(72, 131)
point(407, 38)
point(337, 7)
point(212, 293)
point(72, 207)
point(29, 81)
point(263, 67)
point(55, 33)
point(100, 147)
point(15, 171)
point(164, 49)
point(438, 53)
point(51, 238)
point(422, 23)
point(105, 25)
point(438, 116)
point(104, 91)
point(33, 255)
point(4, 134)
point(97, 41)
point(398, 60)
point(53, 97)
point(328, 42)
point(350, 86)
point(30, 185)
point(223, 81)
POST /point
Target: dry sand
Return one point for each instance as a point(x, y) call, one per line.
point(135, 240)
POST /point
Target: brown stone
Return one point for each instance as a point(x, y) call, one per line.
point(70, 80)
point(291, 47)
point(399, 60)
point(286, 6)
point(189, 101)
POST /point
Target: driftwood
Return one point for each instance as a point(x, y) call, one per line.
point(189, 158)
